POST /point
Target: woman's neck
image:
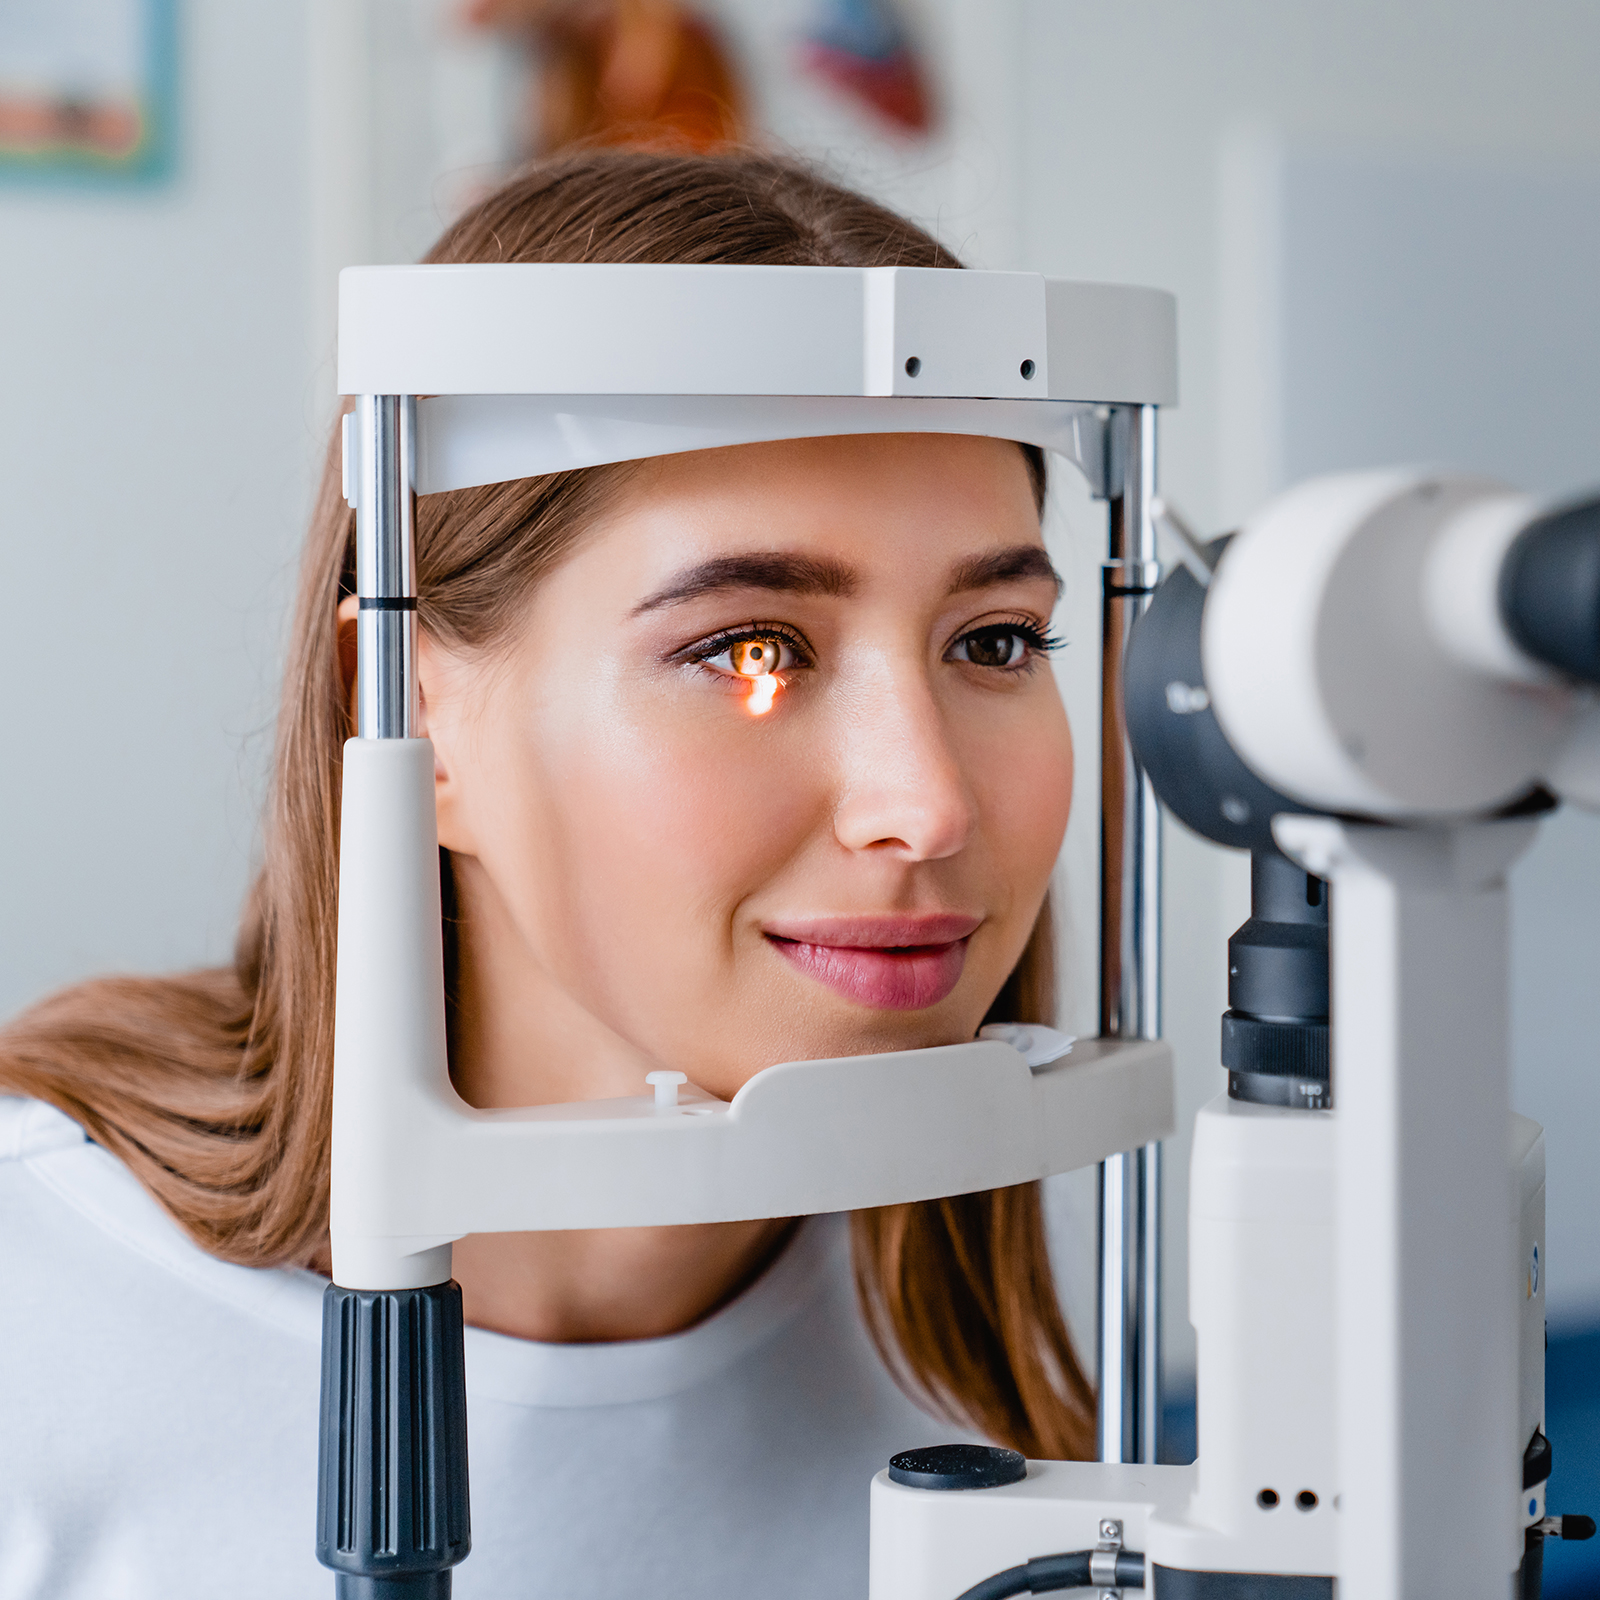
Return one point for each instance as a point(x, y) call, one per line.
point(516, 1040)
point(595, 1286)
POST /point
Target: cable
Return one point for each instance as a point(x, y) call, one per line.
point(1047, 1574)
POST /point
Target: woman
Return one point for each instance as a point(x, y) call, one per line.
point(639, 874)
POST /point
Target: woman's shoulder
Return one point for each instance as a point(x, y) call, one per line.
point(30, 1128)
point(73, 1216)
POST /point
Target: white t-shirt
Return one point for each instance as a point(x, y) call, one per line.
point(158, 1420)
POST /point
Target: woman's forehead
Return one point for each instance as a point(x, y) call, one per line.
point(834, 513)
point(848, 462)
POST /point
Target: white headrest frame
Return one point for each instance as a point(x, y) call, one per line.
point(530, 369)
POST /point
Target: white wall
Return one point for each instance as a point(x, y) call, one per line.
point(155, 452)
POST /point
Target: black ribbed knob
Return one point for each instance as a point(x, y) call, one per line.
point(392, 1516)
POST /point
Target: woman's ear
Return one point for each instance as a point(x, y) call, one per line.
point(428, 665)
point(349, 610)
point(348, 615)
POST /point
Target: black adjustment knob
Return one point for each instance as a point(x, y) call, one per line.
point(392, 1512)
point(957, 1466)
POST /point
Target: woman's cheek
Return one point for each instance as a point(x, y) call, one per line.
point(701, 803)
point(1025, 791)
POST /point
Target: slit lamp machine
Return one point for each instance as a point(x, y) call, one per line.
point(1376, 687)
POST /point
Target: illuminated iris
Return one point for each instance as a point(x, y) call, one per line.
point(758, 657)
point(758, 660)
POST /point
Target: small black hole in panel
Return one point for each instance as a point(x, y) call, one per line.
point(1306, 1500)
point(1267, 1499)
point(1027, 369)
point(913, 366)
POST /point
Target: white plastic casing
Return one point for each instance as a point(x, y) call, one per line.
point(1262, 1271)
point(1527, 1161)
point(1333, 672)
point(930, 1544)
point(1261, 1298)
point(524, 370)
point(1461, 588)
point(1574, 770)
point(559, 329)
point(1426, 1252)
point(465, 440)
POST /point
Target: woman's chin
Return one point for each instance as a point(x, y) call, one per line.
point(798, 1019)
point(852, 1031)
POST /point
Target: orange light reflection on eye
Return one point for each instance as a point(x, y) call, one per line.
point(762, 691)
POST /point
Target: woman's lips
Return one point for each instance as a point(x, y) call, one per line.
point(894, 963)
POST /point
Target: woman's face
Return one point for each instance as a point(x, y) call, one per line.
point(773, 767)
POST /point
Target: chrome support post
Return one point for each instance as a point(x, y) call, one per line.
point(1151, 1380)
point(1129, 1325)
point(386, 579)
point(393, 1513)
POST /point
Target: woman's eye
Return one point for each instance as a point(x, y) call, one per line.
point(1003, 646)
point(756, 656)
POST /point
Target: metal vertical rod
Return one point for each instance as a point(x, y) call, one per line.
point(1116, 1419)
point(386, 582)
point(1150, 1384)
point(393, 1512)
point(1129, 1325)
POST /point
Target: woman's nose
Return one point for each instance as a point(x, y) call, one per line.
point(905, 789)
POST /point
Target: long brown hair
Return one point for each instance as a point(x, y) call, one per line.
point(214, 1087)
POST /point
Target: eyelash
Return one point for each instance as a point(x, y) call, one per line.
point(1039, 640)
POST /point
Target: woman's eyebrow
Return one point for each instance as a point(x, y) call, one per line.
point(766, 569)
point(1003, 566)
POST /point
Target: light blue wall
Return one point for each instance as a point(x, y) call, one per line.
point(1446, 311)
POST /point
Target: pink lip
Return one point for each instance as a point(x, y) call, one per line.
point(893, 963)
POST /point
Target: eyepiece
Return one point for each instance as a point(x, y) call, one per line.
point(1550, 590)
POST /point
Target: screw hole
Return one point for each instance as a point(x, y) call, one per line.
point(1027, 369)
point(1306, 1500)
point(913, 366)
point(1267, 1499)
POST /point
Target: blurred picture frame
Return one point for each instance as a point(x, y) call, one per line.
point(88, 91)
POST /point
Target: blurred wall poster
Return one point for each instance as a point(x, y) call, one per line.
point(87, 89)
